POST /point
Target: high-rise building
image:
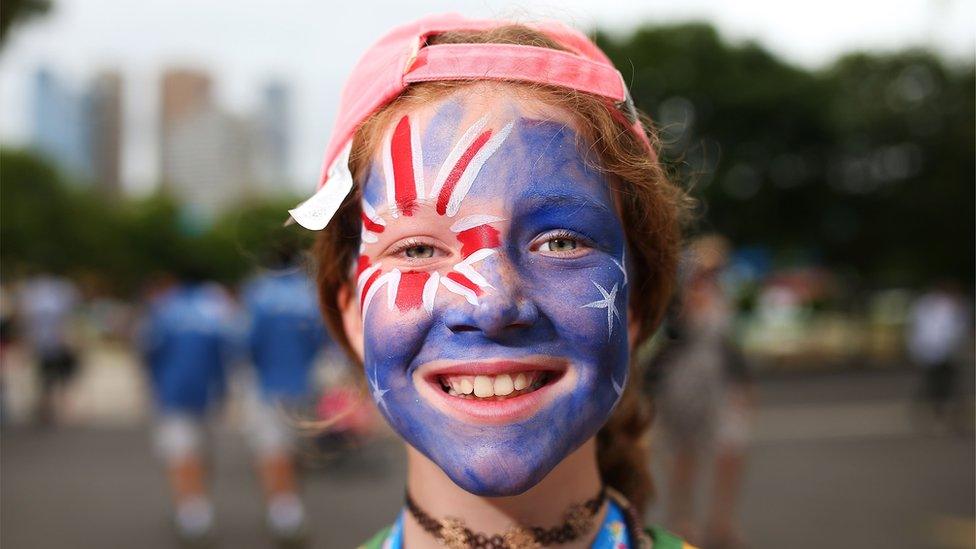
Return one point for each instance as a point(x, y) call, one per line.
point(80, 132)
point(59, 124)
point(272, 140)
point(212, 160)
point(104, 126)
point(209, 159)
point(184, 93)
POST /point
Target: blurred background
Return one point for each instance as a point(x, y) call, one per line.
point(830, 146)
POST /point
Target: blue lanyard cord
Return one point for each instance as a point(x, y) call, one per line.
point(613, 533)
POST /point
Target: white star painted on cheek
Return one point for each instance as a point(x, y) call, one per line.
point(609, 302)
point(377, 392)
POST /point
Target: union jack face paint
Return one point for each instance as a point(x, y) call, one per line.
point(406, 192)
point(492, 284)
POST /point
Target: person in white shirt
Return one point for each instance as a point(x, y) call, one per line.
point(938, 326)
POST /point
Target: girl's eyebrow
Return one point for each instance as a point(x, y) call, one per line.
point(541, 202)
point(384, 209)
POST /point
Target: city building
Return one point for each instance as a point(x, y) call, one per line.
point(59, 124)
point(183, 94)
point(104, 128)
point(209, 160)
point(81, 132)
point(273, 139)
point(212, 160)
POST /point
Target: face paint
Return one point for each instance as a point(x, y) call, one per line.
point(492, 284)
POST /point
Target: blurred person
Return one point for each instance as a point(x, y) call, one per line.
point(346, 410)
point(505, 208)
point(703, 397)
point(285, 336)
point(46, 305)
point(7, 311)
point(188, 340)
point(938, 327)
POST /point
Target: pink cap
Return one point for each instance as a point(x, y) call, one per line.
point(401, 58)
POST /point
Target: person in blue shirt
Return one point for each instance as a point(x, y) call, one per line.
point(187, 341)
point(286, 330)
point(286, 334)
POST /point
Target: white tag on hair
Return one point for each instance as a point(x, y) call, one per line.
point(316, 212)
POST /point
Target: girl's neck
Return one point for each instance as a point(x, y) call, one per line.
point(575, 480)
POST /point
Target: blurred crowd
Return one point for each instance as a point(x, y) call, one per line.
point(732, 318)
point(192, 338)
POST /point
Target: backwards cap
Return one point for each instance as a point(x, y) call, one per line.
point(402, 57)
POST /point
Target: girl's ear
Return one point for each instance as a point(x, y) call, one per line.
point(352, 321)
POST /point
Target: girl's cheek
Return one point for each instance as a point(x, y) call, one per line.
point(391, 333)
point(580, 311)
point(393, 340)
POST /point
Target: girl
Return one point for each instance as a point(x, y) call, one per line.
point(499, 236)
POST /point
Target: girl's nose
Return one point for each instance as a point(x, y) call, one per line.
point(501, 309)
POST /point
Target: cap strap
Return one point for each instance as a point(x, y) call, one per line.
point(514, 62)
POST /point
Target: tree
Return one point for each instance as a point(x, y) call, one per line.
point(15, 12)
point(867, 164)
point(48, 223)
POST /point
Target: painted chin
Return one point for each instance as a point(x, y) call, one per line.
point(497, 392)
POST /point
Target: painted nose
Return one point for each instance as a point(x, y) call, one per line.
point(501, 309)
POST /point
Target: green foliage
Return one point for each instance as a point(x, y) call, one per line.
point(867, 164)
point(45, 223)
point(48, 223)
point(15, 12)
point(254, 234)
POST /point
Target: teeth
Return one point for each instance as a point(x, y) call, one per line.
point(521, 382)
point(483, 386)
point(503, 385)
point(488, 386)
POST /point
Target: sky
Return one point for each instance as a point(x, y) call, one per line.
point(312, 46)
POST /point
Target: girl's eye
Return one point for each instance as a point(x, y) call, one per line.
point(419, 251)
point(416, 249)
point(559, 244)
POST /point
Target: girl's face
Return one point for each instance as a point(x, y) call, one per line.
point(491, 304)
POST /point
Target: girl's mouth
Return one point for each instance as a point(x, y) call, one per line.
point(493, 392)
point(494, 387)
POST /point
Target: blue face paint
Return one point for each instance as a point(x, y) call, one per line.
point(526, 277)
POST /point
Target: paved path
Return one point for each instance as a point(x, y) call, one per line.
point(835, 463)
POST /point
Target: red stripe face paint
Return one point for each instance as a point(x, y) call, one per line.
point(371, 225)
point(401, 153)
point(476, 238)
point(458, 170)
point(365, 290)
point(403, 169)
point(465, 281)
point(410, 294)
point(363, 263)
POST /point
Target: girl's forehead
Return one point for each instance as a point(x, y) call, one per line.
point(469, 103)
point(535, 151)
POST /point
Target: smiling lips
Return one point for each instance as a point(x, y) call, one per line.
point(491, 392)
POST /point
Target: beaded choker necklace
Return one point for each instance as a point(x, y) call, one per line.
point(453, 533)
